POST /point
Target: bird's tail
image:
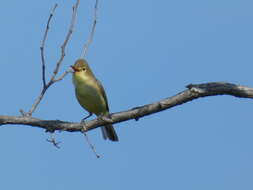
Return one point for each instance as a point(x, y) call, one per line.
point(109, 132)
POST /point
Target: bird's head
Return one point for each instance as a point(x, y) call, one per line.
point(80, 65)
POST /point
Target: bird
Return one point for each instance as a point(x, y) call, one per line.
point(91, 95)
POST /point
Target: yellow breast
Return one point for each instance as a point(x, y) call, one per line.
point(88, 94)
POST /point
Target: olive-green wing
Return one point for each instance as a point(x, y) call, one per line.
point(108, 131)
point(103, 93)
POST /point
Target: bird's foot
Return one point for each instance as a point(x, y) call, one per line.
point(83, 124)
point(106, 118)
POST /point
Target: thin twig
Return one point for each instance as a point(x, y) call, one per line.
point(63, 75)
point(91, 35)
point(70, 31)
point(90, 144)
point(87, 139)
point(43, 46)
point(36, 103)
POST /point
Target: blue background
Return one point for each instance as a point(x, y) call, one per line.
point(143, 51)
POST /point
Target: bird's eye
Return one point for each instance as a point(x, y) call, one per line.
point(84, 69)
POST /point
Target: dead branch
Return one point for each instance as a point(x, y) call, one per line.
point(193, 92)
point(59, 62)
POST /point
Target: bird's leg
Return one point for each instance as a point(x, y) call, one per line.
point(83, 120)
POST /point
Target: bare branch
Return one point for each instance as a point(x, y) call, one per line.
point(43, 46)
point(90, 38)
point(70, 31)
point(58, 64)
point(63, 75)
point(194, 91)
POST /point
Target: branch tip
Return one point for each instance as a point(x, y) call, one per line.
point(91, 35)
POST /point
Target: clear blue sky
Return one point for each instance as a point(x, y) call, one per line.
point(143, 51)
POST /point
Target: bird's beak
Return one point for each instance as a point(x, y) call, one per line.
point(74, 69)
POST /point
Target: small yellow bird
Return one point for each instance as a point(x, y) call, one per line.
point(91, 95)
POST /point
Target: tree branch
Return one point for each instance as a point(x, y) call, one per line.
point(59, 62)
point(194, 91)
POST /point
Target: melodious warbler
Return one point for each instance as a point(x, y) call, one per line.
point(91, 95)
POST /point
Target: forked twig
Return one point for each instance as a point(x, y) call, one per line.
point(59, 62)
point(91, 35)
point(53, 141)
point(53, 78)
